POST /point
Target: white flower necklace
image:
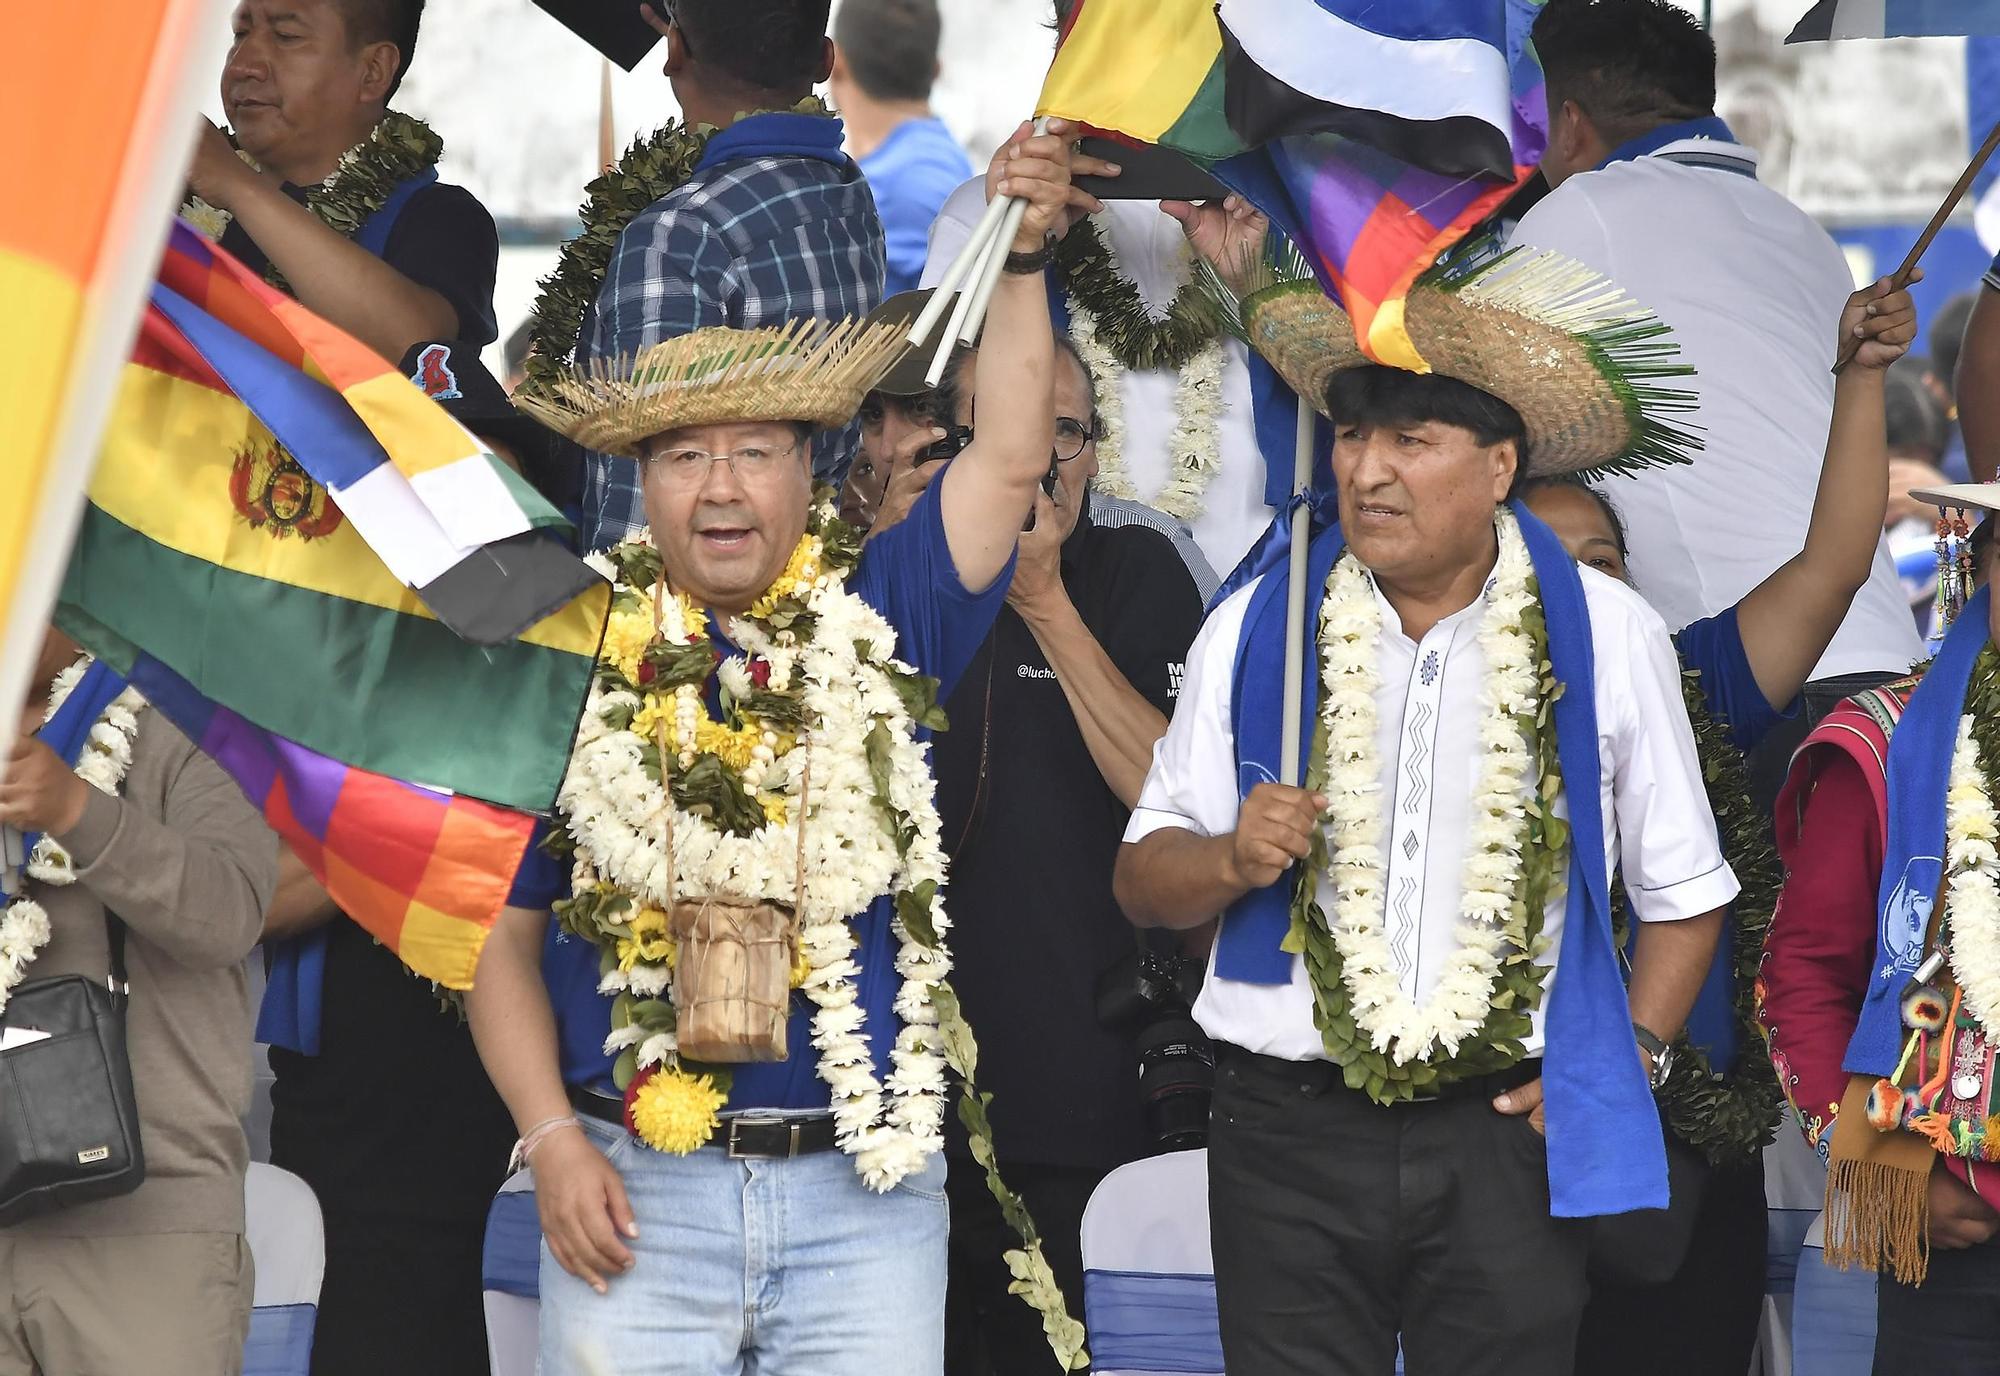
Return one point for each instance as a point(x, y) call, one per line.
point(103, 764)
point(1194, 445)
point(1972, 896)
point(1350, 637)
point(613, 808)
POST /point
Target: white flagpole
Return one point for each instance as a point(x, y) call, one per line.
point(1295, 600)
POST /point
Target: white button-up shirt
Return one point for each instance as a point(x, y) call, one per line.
point(1753, 288)
point(1150, 248)
point(1657, 824)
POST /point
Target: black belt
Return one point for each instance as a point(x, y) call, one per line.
point(742, 1138)
point(1314, 1078)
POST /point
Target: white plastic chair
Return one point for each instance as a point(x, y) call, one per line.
point(510, 1268)
point(288, 1244)
point(1148, 1280)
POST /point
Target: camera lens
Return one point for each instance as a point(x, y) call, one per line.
point(1176, 1081)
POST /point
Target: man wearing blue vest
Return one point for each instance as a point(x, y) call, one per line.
point(343, 202)
point(1429, 1072)
point(378, 1102)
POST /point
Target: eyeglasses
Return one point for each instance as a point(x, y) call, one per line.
point(1072, 435)
point(689, 468)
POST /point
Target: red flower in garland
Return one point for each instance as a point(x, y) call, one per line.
point(760, 672)
point(647, 673)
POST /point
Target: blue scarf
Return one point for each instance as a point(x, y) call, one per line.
point(1913, 860)
point(68, 731)
point(1606, 1153)
point(1653, 140)
point(295, 970)
point(776, 135)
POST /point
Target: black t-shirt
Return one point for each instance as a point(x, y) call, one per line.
point(443, 239)
point(1033, 832)
point(395, 1117)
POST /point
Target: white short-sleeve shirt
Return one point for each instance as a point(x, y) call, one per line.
point(1659, 831)
point(1753, 289)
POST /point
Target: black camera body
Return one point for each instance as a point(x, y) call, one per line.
point(1145, 997)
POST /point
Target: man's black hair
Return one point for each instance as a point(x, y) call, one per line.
point(1947, 337)
point(385, 21)
point(1612, 515)
point(770, 46)
point(891, 46)
point(1375, 395)
point(1632, 65)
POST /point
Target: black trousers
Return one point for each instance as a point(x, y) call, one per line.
point(1703, 1321)
point(1949, 1325)
point(988, 1332)
point(1338, 1224)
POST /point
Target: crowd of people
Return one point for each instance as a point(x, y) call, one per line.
point(1484, 988)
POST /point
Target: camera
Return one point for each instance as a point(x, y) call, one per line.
point(1143, 995)
point(956, 438)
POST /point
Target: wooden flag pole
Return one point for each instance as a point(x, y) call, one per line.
point(1290, 725)
point(1902, 277)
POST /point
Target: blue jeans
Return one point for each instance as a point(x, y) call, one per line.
point(757, 1268)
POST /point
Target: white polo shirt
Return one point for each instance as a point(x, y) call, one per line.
point(1753, 288)
point(1658, 829)
point(1151, 250)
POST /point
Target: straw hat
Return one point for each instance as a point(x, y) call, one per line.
point(804, 370)
point(1961, 496)
point(1577, 359)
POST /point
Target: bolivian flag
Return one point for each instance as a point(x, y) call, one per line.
point(1374, 135)
point(221, 569)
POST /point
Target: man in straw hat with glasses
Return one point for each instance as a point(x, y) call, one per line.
point(1880, 990)
point(726, 1057)
point(1428, 1070)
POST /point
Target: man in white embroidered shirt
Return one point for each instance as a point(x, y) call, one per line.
point(1654, 191)
point(1387, 1061)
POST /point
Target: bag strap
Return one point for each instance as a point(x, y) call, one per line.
point(114, 937)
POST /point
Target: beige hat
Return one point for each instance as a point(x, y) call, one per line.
point(1961, 496)
point(804, 370)
point(1581, 363)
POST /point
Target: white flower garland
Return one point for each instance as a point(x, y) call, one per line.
point(106, 758)
point(614, 810)
point(1194, 446)
point(1350, 632)
point(1972, 900)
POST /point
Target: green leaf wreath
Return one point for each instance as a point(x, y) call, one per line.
point(1091, 277)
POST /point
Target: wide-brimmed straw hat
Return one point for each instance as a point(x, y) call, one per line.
point(1581, 363)
point(805, 370)
point(1961, 496)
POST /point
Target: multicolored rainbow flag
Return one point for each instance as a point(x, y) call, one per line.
point(99, 105)
point(1374, 135)
point(220, 551)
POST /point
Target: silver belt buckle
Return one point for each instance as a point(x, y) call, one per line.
point(736, 1153)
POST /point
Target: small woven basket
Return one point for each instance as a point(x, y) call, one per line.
point(733, 978)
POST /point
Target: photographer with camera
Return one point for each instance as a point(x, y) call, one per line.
point(1052, 730)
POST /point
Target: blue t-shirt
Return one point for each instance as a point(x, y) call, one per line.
point(911, 173)
point(907, 575)
point(1713, 648)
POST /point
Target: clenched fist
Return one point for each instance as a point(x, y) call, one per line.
point(1273, 829)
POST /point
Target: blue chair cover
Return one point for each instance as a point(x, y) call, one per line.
point(1141, 1321)
point(280, 1341)
point(512, 1258)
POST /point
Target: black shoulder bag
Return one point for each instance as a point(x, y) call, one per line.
point(69, 1123)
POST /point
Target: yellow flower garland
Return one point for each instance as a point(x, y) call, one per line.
point(676, 1112)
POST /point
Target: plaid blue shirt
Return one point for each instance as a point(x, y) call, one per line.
point(758, 235)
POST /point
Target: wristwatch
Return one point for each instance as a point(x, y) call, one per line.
point(1661, 1054)
point(1025, 264)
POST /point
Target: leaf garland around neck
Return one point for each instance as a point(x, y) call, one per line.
point(396, 149)
point(1727, 1118)
point(1501, 1040)
point(1091, 277)
point(654, 165)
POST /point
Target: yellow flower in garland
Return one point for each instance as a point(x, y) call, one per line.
point(656, 711)
point(776, 811)
point(800, 571)
point(674, 1111)
point(626, 636)
point(646, 938)
point(801, 967)
point(732, 745)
